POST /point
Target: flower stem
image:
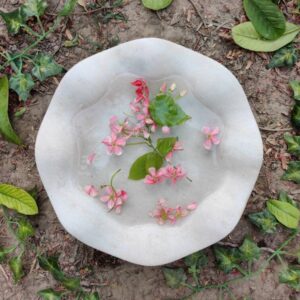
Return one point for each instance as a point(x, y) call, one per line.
point(113, 177)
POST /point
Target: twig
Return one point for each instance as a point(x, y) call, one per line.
point(275, 129)
point(4, 273)
point(198, 12)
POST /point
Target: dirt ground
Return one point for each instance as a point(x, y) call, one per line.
point(205, 32)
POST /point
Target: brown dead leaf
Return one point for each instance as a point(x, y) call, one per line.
point(82, 3)
point(69, 34)
point(249, 64)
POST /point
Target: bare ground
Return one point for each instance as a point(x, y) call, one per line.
point(207, 33)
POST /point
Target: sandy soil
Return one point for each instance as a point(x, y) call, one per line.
point(270, 100)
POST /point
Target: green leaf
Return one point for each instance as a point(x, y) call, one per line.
point(21, 84)
point(25, 230)
point(34, 7)
point(293, 172)
point(266, 17)
point(91, 296)
point(16, 266)
point(5, 127)
point(71, 283)
point(195, 262)
point(4, 252)
point(165, 111)
point(264, 220)
point(246, 37)
point(68, 8)
point(227, 259)
point(140, 167)
point(165, 145)
point(249, 250)
point(295, 85)
point(284, 212)
point(17, 199)
point(291, 276)
point(174, 277)
point(45, 66)
point(156, 4)
point(14, 20)
point(293, 143)
point(284, 197)
point(284, 57)
point(50, 294)
point(295, 116)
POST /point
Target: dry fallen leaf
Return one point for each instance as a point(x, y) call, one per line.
point(69, 34)
point(82, 3)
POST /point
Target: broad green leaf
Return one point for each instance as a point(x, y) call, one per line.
point(14, 19)
point(34, 7)
point(227, 259)
point(165, 111)
point(284, 197)
point(140, 167)
point(174, 277)
point(246, 37)
point(16, 266)
point(4, 252)
point(50, 294)
point(165, 145)
point(249, 250)
point(71, 283)
point(17, 199)
point(21, 84)
point(284, 57)
point(264, 220)
point(195, 262)
point(284, 212)
point(6, 129)
point(156, 4)
point(45, 66)
point(291, 276)
point(25, 230)
point(295, 85)
point(293, 143)
point(91, 296)
point(295, 116)
point(68, 8)
point(266, 17)
point(293, 172)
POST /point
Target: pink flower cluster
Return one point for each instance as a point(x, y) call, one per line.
point(173, 173)
point(114, 199)
point(164, 214)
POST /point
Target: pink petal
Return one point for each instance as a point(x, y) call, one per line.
point(152, 171)
point(206, 130)
point(104, 198)
point(90, 158)
point(110, 204)
point(166, 129)
point(118, 209)
point(91, 190)
point(192, 206)
point(117, 150)
point(215, 131)
point(215, 140)
point(207, 144)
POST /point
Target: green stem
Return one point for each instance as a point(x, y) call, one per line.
point(241, 270)
point(40, 24)
point(30, 31)
point(137, 143)
point(113, 177)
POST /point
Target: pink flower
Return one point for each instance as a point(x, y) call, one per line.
point(180, 212)
point(91, 190)
point(142, 90)
point(90, 158)
point(212, 137)
point(114, 198)
point(174, 173)
point(155, 176)
point(166, 130)
point(177, 147)
point(114, 144)
point(163, 213)
point(192, 206)
point(118, 127)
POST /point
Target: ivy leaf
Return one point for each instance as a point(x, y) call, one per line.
point(264, 220)
point(34, 7)
point(166, 112)
point(174, 277)
point(16, 266)
point(293, 172)
point(5, 127)
point(284, 57)
point(295, 116)
point(293, 143)
point(50, 294)
point(91, 296)
point(156, 4)
point(195, 262)
point(25, 230)
point(4, 252)
point(17, 199)
point(14, 20)
point(68, 8)
point(284, 197)
point(266, 17)
point(227, 259)
point(165, 145)
point(140, 167)
point(284, 212)
point(246, 37)
point(291, 276)
point(45, 66)
point(249, 250)
point(295, 85)
point(21, 84)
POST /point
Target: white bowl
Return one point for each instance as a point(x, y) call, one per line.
point(77, 120)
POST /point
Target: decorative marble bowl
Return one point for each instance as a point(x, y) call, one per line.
point(77, 121)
